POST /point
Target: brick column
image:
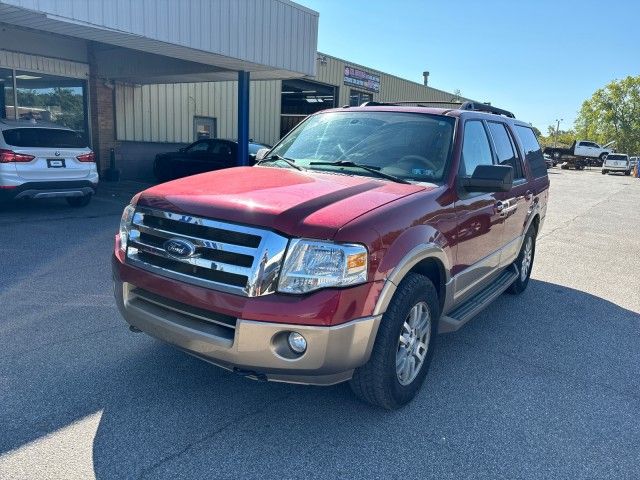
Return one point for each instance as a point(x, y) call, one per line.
point(102, 115)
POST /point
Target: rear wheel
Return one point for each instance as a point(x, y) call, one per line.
point(79, 201)
point(604, 172)
point(627, 173)
point(524, 262)
point(403, 348)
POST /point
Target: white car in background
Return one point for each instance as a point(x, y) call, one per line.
point(617, 162)
point(45, 161)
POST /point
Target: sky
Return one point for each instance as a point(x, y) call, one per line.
point(537, 58)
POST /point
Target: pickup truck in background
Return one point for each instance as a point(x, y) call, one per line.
point(580, 154)
point(339, 256)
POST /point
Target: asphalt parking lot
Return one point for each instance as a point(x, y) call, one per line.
point(544, 385)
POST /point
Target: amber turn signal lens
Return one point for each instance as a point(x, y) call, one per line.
point(359, 260)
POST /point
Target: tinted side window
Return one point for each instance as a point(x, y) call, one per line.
point(475, 148)
point(198, 147)
point(220, 148)
point(505, 149)
point(532, 151)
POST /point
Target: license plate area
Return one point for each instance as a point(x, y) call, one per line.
point(55, 163)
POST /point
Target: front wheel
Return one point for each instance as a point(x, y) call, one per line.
point(627, 173)
point(524, 262)
point(604, 172)
point(403, 348)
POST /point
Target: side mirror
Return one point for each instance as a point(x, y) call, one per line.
point(260, 154)
point(182, 149)
point(489, 178)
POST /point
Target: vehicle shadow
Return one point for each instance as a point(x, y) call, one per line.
point(536, 377)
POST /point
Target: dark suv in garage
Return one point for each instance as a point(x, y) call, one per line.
point(202, 156)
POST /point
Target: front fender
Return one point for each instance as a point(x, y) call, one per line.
point(410, 248)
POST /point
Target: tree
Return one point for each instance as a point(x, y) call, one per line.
point(613, 114)
point(564, 138)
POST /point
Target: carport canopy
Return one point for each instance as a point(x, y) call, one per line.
point(177, 41)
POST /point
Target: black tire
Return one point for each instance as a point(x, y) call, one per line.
point(520, 285)
point(78, 202)
point(377, 382)
point(627, 173)
point(604, 172)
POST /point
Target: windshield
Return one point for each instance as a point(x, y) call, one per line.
point(411, 146)
point(616, 157)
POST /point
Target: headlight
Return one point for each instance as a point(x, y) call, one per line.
point(311, 265)
point(125, 224)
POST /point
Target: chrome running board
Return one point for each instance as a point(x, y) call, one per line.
point(458, 317)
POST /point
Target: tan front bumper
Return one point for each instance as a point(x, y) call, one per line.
point(257, 349)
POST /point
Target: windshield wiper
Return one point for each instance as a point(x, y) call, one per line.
point(370, 169)
point(276, 157)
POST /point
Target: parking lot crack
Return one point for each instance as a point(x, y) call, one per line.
point(147, 471)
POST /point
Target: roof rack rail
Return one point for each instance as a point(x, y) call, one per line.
point(470, 106)
point(484, 107)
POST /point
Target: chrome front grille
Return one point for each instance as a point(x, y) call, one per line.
point(221, 256)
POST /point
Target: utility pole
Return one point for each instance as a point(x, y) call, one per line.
point(555, 140)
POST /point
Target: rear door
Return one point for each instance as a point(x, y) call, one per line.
point(480, 226)
point(513, 205)
point(55, 150)
point(536, 170)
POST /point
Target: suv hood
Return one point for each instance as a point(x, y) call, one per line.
point(297, 203)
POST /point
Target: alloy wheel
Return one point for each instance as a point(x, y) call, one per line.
point(413, 343)
point(527, 258)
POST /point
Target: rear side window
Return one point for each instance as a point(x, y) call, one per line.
point(43, 137)
point(475, 148)
point(505, 149)
point(532, 151)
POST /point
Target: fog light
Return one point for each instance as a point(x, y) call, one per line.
point(297, 342)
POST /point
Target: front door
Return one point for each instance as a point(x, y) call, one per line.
point(513, 205)
point(480, 225)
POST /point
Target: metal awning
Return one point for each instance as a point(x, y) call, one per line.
point(161, 41)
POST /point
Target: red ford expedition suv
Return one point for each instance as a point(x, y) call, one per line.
point(339, 257)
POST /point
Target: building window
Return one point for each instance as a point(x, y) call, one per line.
point(49, 98)
point(357, 98)
point(204, 127)
point(301, 98)
point(6, 94)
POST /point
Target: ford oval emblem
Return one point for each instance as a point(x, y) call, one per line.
point(179, 248)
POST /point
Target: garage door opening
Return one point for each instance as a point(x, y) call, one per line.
point(301, 98)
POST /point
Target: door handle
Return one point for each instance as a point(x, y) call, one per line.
point(505, 208)
point(528, 196)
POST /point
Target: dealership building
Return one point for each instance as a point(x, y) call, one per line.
point(141, 77)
